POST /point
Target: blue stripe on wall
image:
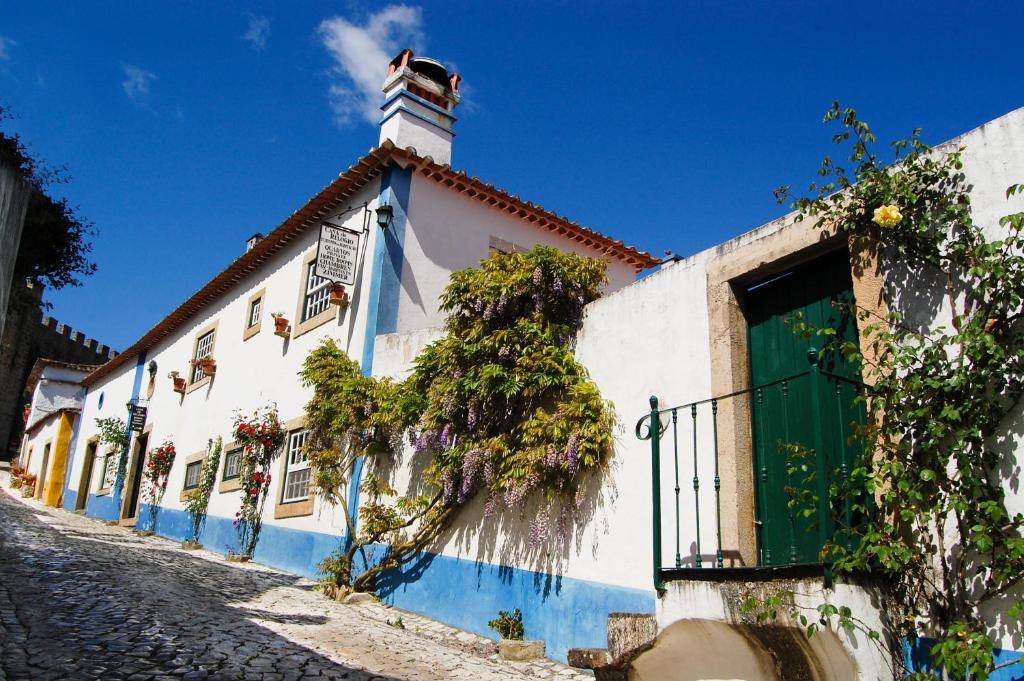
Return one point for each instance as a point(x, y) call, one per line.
point(70, 495)
point(918, 659)
point(563, 611)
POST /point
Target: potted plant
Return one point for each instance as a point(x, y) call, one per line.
point(179, 382)
point(280, 324)
point(512, 647)
point(209, 365)
point(338, 295)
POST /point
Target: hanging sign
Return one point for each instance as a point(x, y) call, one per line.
point(337, 254)
point(137, 419)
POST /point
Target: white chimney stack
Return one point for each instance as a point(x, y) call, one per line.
point(419, 97)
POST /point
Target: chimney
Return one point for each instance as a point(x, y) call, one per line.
point(252, 241)
point(419, 97)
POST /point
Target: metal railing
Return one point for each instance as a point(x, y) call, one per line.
point(694, 457)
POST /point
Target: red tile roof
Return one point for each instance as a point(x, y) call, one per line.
point(334, 196)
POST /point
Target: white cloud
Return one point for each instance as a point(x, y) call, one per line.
point(5, 47)
point(257, 32)
point(361, 54)
point(136, 81)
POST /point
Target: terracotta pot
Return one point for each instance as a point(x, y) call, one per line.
point(179, 385)
point(280, 324)
point(338, 295)
point(209, 366)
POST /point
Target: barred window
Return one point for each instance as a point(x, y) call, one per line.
point(108, 470)
point(204, 348)
point(254, 312)
point(296, 474)
point(318, 293)
point(232, 464)
point(192, 472)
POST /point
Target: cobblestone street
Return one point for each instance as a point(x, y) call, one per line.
point(81, 600)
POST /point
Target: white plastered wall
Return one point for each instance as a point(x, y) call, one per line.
point(447, 231)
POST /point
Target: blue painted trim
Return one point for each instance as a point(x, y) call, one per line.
point(399, 186)
point(419, 100)
point(918, 658)
point(415, 115)
point(140, 363)
point(563, 611)
point(103, 507)
point(70, 496)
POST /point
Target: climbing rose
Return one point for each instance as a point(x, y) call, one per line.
point(887, 216)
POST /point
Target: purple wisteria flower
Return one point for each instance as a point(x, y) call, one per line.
point(471, 464)
point(538, 276)
point(572, 453)
point(445, 440)
point(471, 416)
point(557, 286)
point(479, 305)
point(539, 527)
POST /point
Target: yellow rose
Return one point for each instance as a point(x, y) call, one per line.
point(887, 216)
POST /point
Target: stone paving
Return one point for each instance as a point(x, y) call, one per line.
point(81, 600)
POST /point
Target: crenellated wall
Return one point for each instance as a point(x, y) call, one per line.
point(29, 336)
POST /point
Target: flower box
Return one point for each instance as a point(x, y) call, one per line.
point(208, 365)
point(339, 296)
point(281, 327)
point(178, 382)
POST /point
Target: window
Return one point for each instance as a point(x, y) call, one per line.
point(232, 464)
point(107, 480)
point(254, 312)
point(318, 293)
point(296, 472)
point(192, 473)
point(204, 348)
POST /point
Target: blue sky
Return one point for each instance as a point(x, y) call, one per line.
point(187, 126)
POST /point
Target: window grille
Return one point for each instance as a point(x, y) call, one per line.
point(296, 476)
point(192, 472)
point(254, 312)
point(204, 348)
point(318, 294)
point(108, 471)
point(232, 464)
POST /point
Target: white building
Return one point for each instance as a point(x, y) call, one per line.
point(698, 328)
point(50, 424)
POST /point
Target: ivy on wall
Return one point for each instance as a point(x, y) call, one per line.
point(497, 407)
point(935, 527)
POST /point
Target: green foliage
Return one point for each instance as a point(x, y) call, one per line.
point(55, 243)
point(941, 537)
point(261, 438)
point(199, 499)
point(497, 406)
point(508, 625)
point(113, 432)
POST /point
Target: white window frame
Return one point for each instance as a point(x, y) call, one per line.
point(255, 307)
point(317, 297)
point(296, 466)
point(203, 348)
point(237, 453)
point(196, 466)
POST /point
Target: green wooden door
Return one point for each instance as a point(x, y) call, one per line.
point(801, 415)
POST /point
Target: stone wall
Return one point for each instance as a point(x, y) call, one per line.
point(27, 337)
point(14, 194)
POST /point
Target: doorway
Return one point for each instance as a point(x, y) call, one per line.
point(41, 481)
point(131, 508)
point(803, 407)
point(85, 481)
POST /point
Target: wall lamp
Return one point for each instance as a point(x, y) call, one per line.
point(384, 215)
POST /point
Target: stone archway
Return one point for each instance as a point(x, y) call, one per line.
point(706, 650)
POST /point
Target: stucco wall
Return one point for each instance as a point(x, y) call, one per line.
point(447, 232)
